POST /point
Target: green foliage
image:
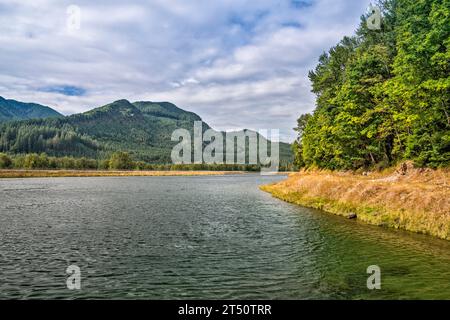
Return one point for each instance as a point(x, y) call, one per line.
point(43, 161)
point(121, 161)
point(5, 161)
point(383, 96)
point(35, 161)
point(297, 146)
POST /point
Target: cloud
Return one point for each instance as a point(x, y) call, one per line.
point(237, 63)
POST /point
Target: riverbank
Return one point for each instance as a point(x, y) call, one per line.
point(406, 198)
point(105, 173)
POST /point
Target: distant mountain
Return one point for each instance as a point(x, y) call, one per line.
point(143, 129)
point(11, 110)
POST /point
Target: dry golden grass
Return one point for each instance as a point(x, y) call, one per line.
point(417, 200)
point(95, 173)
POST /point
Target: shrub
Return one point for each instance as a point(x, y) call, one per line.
point(121, 161)
point(5, 161)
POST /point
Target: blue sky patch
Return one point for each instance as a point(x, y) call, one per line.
point(66, 90)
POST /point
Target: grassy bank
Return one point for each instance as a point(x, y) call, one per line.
point(104, 173)
point(416, 200)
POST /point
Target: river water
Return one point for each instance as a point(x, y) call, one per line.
point(208, 237)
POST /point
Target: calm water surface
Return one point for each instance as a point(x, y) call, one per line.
point(199, 237)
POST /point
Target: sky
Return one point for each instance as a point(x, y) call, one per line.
point(236, 63)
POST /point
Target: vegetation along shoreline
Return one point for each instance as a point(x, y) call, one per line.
point(408, 198)
point(382, 99)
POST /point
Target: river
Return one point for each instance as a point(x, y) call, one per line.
point(205, 237)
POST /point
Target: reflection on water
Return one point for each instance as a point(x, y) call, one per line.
point(199, 237)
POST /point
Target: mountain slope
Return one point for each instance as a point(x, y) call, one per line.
point(11, 110)
point(143, 129)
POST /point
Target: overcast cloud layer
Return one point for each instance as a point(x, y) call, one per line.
point(236, 63)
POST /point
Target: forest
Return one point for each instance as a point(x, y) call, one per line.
point(382, 96)
point(141, 130)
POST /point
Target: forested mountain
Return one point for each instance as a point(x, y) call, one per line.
point(11, 110)
point(143, 129)
point(383, 96)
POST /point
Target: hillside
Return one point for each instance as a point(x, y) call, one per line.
point(141, 128)
point(11, 110)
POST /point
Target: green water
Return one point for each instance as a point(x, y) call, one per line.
point(199, 237)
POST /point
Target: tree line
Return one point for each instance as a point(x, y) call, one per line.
point(382, 96)
point(117, 161)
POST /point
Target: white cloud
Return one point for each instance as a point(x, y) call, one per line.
point(236, 63)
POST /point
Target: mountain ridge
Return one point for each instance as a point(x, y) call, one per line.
point(141, 128)
point(13, 110)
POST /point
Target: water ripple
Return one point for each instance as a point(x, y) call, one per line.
point(199, 237)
